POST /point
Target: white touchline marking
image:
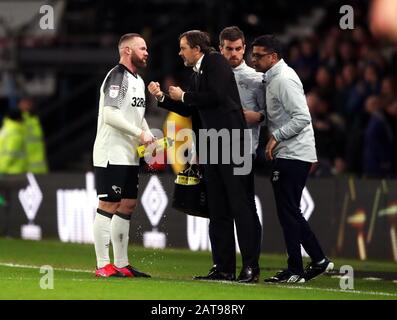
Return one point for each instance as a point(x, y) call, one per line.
point(376, 293)
point(32, 278)
point(301, 287)
point(16, 265)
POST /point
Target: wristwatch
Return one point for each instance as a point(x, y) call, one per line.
point(262, 117)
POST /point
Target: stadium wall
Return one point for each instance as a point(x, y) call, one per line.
point(352, 218)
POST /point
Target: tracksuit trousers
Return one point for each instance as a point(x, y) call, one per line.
point(288, 180)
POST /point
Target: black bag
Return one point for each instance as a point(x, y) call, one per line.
point(190, 196)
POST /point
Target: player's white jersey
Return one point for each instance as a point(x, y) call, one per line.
point(126, 91)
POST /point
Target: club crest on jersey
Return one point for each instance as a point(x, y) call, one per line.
point(114, 91)
point(116, 189)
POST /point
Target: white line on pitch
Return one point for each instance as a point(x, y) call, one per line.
point(26, 266)
point(376, 293)
point(13, 265)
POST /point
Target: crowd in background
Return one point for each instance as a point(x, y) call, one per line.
point(351, 91)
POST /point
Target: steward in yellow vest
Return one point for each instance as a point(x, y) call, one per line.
point(35, 147)
point(13, 158)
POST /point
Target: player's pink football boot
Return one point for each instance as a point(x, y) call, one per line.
point(108, 271)
point(129, 271)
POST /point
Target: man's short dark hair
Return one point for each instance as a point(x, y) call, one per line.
point(128, 36)
point(232, 33)
point(270, 42)
point(197, 38)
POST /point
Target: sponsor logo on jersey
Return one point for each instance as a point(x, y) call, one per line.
point(114, 91)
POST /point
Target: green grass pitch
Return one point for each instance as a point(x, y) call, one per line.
point(172, 271)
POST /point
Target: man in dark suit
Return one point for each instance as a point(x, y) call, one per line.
point(213, 102)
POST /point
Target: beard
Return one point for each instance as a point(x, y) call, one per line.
point(235, 62)
point(140, 63)
point(259, 68)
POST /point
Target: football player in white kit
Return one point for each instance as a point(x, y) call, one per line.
point(121, 128)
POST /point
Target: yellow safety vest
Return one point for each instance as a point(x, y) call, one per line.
point(13, 158)
point(35, 147)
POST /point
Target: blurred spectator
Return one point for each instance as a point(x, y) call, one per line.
point(346, 52)
point(355, 137)
point(13, 158)
point(371, 80)
point(369, 85)
point(345, 84)
point(360, 36)
point(328, 49)
point(329, 137)
point(307, 63)
point(388, 90)
point(379, 154)
point(294, 55)
point(34, 140)
point(371, 54)
point(325, 83)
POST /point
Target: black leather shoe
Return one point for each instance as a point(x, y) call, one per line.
point(249, 275)
point(216, 275)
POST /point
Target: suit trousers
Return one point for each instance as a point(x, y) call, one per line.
point(231, 200)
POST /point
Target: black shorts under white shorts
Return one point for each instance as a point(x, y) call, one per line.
point(116, 182)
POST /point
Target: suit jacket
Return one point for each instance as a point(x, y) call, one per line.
point(213, 102)
point(216, 99)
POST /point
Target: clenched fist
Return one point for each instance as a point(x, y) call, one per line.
point(154, 89)
point(176, 93)
point(146, 138)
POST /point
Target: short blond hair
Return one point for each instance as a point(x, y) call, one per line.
point(128, 36)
